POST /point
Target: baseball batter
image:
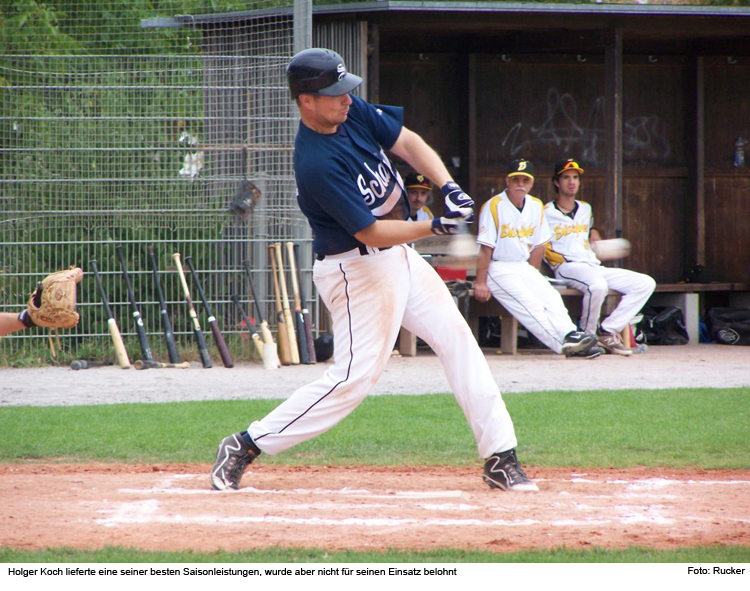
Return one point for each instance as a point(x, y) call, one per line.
point(371, 282)
point(512, 236)
point(571, 223)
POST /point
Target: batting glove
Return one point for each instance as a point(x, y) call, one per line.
point(455, 198)
point(451, 222)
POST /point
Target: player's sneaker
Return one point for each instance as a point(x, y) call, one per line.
point(503, 470)
point(576, 341)
point(612, 343)
point(591, 353)
point(233, 457)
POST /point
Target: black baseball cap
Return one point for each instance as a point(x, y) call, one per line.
point(414, 180)
point(521, 167)
point(569, 164)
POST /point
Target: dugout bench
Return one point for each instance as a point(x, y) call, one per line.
point(686, 296)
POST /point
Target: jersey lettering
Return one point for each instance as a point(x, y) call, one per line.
point(508, 231)
point(377, 187)
point(562, 231)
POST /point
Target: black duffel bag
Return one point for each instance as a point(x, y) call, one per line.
point(730, 326)
point(664, 326)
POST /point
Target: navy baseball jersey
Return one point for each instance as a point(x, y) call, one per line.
point(345, 181)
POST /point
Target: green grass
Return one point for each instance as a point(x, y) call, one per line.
point(700, 428)
point(695, 555)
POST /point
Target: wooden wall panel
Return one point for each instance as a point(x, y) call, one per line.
point(727, 113)
point(538, 111)
point(427, 86)
point(654, 119)
point(727, 189)
point(655, 218)
point(727, 226)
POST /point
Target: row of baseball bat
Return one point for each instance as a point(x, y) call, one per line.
point(295, 344)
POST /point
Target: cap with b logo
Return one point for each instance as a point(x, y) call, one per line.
point(414, 180)
point(566, 165)
point(521, 168)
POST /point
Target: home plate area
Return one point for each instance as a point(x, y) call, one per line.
point(173, 508)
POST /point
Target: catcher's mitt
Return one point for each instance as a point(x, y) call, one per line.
point(53, 304)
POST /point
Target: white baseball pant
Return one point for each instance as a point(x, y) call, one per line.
point(594, 281)
point(529, 296)
point(369, 298)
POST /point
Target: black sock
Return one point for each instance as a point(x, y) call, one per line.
point(248, 441)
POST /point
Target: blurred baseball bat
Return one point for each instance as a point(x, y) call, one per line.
point(139, 327)
point(159, 365)
point(166, 325)
point(305, 315)
point(226, 358)
point(199, 338)
point(304, 355)
point(120, 352)
point(86, 364)
point(250, 326)
point(285, 353)
point(285, 306)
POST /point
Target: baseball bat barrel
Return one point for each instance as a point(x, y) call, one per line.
point(86, 364)
point(289, 322)
point(221, 345)
point(264, 330)
point(285, 353)
point(166, 325)
point(139, 327)
point(151, 364)
point(199, 338)
point(114, 331)
point(305, 314)
point(304, 356)
point(250, 326)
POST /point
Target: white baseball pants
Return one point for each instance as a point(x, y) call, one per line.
point(369, 298)
point(526, 293)
point(594, 281)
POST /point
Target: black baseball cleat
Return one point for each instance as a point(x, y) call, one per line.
point(503, 470)
point(591, 353)
point(233, 456)
point(576, 341)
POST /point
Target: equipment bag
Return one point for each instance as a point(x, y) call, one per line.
point(730, 326)
point(664, 326)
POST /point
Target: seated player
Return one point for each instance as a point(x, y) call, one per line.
point(571, 224)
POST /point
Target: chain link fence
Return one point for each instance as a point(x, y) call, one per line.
point(134, 127)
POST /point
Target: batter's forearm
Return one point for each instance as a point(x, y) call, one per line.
point(384, 233)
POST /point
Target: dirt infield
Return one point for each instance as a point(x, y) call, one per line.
point(171, 507)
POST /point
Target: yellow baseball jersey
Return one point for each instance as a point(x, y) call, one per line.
point(570, 235)
point(511, 232)
point(424, 214)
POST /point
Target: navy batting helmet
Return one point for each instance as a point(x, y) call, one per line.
point(319, 71)
point(323, 347)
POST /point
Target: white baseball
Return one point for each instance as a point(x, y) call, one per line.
point(607, 250)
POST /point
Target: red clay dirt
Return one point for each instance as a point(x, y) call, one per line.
point(172, 507)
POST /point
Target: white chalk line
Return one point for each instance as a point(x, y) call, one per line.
point(148, 511)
